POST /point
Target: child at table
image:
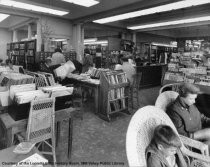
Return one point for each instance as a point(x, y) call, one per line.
point(164, 149)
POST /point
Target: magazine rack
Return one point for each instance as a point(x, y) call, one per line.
point(114, 91)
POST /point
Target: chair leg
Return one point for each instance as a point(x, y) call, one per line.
point(54, 153)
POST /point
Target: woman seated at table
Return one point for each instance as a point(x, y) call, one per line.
point(11, 67)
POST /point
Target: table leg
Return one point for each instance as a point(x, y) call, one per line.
point(70, 137)
point(96, 100)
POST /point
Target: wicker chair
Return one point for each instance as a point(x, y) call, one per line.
point(174, 87)
point(134, 90)
point(49, 77)
point(165, 98)
point(140, 132)
point(41, 125)
point(39, 79)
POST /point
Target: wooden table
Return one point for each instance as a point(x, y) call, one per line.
point(9, 158)
point(12, 127)
point(91, 85)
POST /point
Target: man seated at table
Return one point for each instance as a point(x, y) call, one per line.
point(45, 67)
point(127, 68)
point(186, 117)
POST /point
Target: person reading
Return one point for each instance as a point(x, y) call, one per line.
point(164, 149)
point(186, 117)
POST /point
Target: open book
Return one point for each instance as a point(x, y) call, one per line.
point(65, 69)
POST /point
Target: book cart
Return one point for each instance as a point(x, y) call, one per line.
point(114, 89)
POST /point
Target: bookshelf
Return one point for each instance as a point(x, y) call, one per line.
point(114, 91)
point(22, 53)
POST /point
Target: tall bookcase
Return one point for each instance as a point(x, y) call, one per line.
point(22, 53)
point(114, 89)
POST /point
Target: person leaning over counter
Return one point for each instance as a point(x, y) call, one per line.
point(186, 117)
point(127, 68)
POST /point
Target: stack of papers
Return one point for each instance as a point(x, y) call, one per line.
point(20, 88)
point(57, 91)
point(8, 79)
point(26, 97)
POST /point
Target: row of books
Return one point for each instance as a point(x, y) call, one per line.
point(116, 93)
point(116, 105)
point(117, 78)
point(96, 72)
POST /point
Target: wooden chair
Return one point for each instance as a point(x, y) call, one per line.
point(165, 98)
point(40, 126)
point(140, 132)
point(134, 90)
point(173, 87)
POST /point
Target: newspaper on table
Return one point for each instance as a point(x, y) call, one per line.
point(28, 96)
point(59, 90)
point(65, 69)
point(21, 88)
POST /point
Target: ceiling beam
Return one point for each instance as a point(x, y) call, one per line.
point(19, 25)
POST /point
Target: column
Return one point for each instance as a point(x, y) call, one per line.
point(29, 32)
point(39, 37)
point(134, 37)
point(14, 38)
point(78, 38)
point(123, 35)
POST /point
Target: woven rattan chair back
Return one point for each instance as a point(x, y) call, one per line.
point(165, 99)
point(41, 124)
point(173, 87)
point(41, 120)
point(140, 132)
point(49, 77)
point(39, 79)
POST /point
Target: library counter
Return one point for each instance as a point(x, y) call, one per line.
point(151, 74)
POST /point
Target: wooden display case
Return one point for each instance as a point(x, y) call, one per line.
point(113, 94)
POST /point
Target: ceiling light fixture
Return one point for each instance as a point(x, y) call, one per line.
point(169, 23)
point(157, 9)
point(86, 3)
point(33, 7)
point(96, 42)
point(90, 40)
point(3, 16)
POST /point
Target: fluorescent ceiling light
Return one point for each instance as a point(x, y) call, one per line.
point(96, 42)
point(169, 23)
point(86, 3)
point(3, 16)
point(59, 40)
point(32, 7)
point(90, 40)
point(162, 44)
point(158, 9)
